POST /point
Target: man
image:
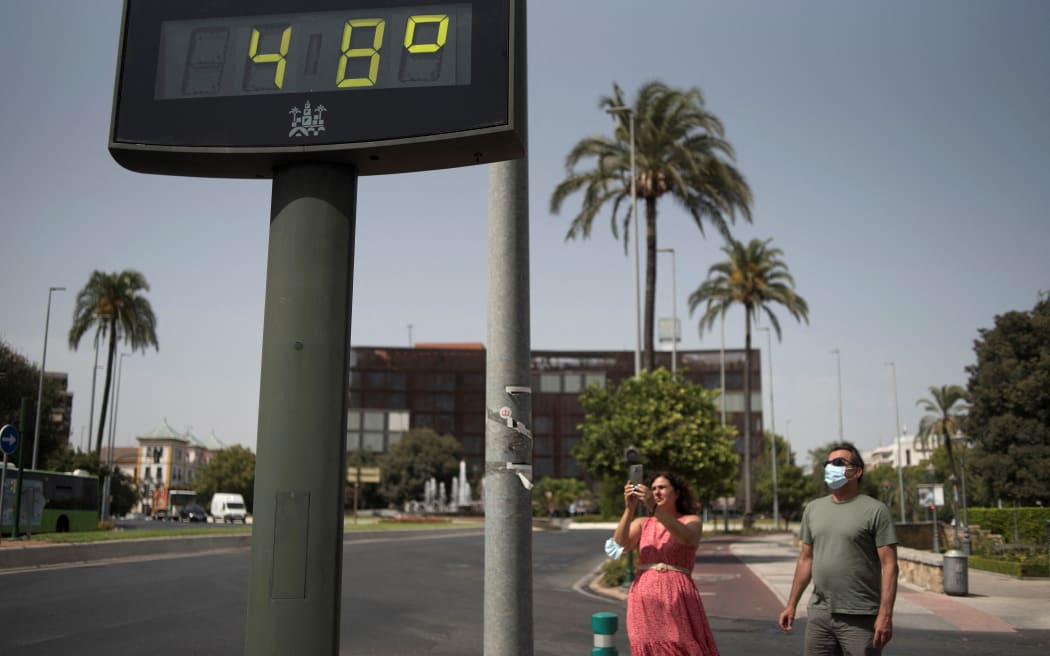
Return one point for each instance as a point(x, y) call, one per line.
point(849, 550)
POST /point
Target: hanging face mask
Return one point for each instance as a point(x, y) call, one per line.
point(835, 476)
point(612, 549)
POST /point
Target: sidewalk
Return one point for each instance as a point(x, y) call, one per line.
point(995, 604)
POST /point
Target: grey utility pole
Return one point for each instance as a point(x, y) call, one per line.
point(507, 619)
point(508, 397)
point(294, 589)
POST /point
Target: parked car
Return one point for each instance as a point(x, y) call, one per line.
point(193, 513)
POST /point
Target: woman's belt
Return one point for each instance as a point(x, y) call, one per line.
point(664, 567)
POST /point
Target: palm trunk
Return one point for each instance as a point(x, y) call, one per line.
point(650, 282)
point(105, 390)
point(748, 517)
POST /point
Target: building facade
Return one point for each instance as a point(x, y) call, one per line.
point(442, 386)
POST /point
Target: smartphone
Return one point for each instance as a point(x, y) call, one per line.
point(636, 474)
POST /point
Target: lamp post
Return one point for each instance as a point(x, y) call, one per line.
point(674, 311)
point(838, 368)
point(40, 388)
point(964, 443)
point(772, 426)
point(623, 109)
point(897, 432)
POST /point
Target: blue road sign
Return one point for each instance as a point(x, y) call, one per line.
point(8, 439)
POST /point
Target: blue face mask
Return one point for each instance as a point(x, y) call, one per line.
point(835, 476)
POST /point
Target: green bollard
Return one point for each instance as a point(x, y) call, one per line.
point(604, 626)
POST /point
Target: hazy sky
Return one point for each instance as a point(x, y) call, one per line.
point(898, 152)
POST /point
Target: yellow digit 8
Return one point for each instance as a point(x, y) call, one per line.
point(271, 57)
point(410, 32)
point(341, 80)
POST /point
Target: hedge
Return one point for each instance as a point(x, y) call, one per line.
point(1031, 523)
point(1037, 567)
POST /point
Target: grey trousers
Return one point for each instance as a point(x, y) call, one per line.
point(838, 634)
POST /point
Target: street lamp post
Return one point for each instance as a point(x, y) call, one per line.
point(772, 427)
point(674, 311)
point(838, 368)
point(964, 442)
point(623, 109)
point(897, 433)
point(40, 388)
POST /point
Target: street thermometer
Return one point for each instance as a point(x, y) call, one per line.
point(237, 87)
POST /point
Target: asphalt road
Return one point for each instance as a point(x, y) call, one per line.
point(408, 594)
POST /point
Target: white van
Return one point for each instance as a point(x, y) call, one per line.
point(229, 507)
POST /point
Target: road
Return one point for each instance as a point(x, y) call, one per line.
point(402, 595)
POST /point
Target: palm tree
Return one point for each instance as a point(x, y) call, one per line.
point(755, 277)
point(114, 305)
point(680, 150)
point(946, 409)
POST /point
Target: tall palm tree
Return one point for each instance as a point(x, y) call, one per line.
point(755, 277)
point(680, 151)
point(946, 408)
point(113, 304)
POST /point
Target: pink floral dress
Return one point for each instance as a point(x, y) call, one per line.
point(665, 616)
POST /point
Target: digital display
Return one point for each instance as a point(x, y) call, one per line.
point(321, 51)
point(234, 88)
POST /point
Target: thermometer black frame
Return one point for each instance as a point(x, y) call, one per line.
point(380, 130)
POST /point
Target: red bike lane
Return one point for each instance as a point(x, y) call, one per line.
point(728, 587)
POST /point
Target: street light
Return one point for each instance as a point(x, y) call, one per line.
point(674, 311)
point(623, 109)
point(43, 362)
point(838, 367)
point(772, 426)
point(964, 443)
point(897, 432)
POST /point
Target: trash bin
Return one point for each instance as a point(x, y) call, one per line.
point(956, 564)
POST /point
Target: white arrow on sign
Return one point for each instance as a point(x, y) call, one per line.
point(8, 439)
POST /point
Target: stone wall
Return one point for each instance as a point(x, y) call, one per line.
point(922, 568)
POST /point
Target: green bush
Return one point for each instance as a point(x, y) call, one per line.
point(1034, 566)
point(1030, 522)
point(614, 572)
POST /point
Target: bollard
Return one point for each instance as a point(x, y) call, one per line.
point(604, 627)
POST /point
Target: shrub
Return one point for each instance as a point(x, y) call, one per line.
point(1030, 523)
point(614, 572)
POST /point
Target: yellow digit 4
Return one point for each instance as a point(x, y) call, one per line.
point(410, 32)
point(271, 57)
point(349, 53)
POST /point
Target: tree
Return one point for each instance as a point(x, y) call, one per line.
point(680, 151)
point(1009, 415)
point(553, 496)
point(674, 424)
point(20, 378)
point(230, 470)
point(794, 488)
point(755, 277)
point(943, 419)
point(420, 454)
point(113, 303)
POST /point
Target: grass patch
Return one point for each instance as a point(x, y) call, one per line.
point(137, 534)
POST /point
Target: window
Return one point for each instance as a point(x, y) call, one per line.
point(573, 383)
point(550, 383)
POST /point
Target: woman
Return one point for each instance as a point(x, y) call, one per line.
point(665, 616)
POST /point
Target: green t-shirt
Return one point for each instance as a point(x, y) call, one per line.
point(847, 573)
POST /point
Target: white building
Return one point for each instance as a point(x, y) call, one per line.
point(911, 453)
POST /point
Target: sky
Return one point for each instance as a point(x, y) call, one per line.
point(898, 153)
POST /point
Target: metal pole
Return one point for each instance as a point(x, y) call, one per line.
point(965, 518)
point(634, 220)
point(294, 586)
point(508, 629)
point(897, 431)
point(838, 368)
point(40, 389)
point(723, 358)
point(674, 311)
point(772, 427)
